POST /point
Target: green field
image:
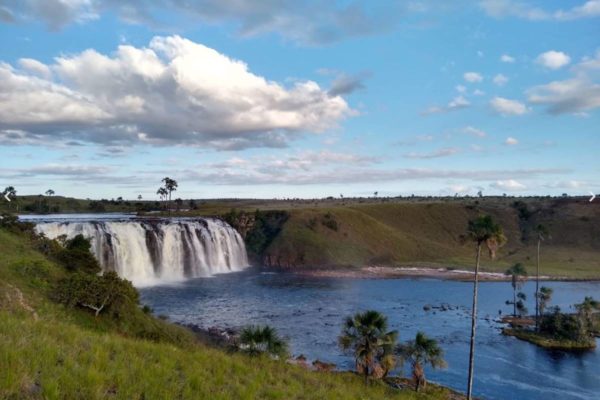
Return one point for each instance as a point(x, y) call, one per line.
point(48, 351)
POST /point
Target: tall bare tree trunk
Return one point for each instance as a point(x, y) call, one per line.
point(514, 301)
point(537, 289)
point(473, 325)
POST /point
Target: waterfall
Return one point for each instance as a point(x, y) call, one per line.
point(151, 251)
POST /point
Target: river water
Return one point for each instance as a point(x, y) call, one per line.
point(309, 312)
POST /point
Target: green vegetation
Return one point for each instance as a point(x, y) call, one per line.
point(366, 336)
point(518, 275)
point(558, 330)
point(59, 350)
point(256, 340)
point(432, 234)
point(419, 352)
point(549, 342)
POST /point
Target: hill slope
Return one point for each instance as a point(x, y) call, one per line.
point(432, 233)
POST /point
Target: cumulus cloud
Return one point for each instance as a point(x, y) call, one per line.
point(445, 152)
point(505, 106)
point(505, 58)
point(457, 103)
point(500, 80)
point(553, 59)
point(578, 94)
point(174, 91)
point(511, 141)
point(510, 185)
point(524, 10)
point(472, 77)
point(307, 22)
point(35, 67)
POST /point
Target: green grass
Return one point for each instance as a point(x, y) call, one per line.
point(549, 342)
point(52, 352)
point(412, 234)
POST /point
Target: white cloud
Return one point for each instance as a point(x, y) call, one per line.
point(472, 77)
point(445, 152)
point(511, 141)
point(500, 80)
point(505, 58)
point(174, 91)
point(576, 95)
point(510, 185)
point(459, 189)
point(478, 92)
point(35, 67)
point(461, 88)
point(524, 10)
point(505, 106)
point(589, 9)
point(474, 131)
point(456, 103)
point(553, 59)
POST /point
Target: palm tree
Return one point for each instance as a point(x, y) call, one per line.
point(520, 306)
point(367, 337)
point(483, 231)
point(256, 340)
point(541, 232)
point(170, 185)
point(544, 297)
point(420, 352)
point(518, 274)
point(162, 193)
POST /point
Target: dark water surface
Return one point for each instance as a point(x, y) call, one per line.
point(309, 312)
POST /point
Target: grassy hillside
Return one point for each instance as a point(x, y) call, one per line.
point(433, 233)
point(53, 352)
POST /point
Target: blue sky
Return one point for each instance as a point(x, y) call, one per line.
point(281, 98)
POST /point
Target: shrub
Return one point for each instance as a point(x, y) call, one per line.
point(330, 222)
point(76, 255)
point(100, 293)
point(255, 340)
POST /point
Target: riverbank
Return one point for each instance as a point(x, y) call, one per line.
point(432, 272)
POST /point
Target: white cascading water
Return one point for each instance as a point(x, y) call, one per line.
point(147, 252)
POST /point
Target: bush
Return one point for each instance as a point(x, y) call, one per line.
point(563, 326)
point(330, 222)
point(11, 223)
point(76, 255)
point(100, 293)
